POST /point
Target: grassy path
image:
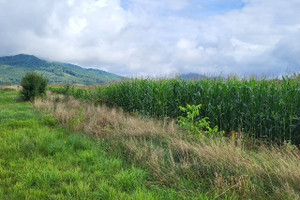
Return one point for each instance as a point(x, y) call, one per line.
point(40, 160)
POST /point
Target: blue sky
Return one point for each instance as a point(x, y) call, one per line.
point(193, 9)
point(157, 38)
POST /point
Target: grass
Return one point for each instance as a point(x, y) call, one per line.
point(182, 165)
point(39, 159)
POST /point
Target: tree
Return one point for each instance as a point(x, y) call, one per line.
point(33, 85)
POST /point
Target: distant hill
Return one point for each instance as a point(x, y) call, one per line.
point(197, 77)
point(191, 76)
point(13, 69)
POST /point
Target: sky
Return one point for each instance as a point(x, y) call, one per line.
point(137, 38)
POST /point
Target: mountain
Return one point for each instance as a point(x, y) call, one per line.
point(191, 76)
point(197, 77)
point(13, 69)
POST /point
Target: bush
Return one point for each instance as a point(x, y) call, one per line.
point(195, 125)
point(33, 85)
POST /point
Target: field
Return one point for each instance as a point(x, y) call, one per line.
point(59, 147)
point(265, 109)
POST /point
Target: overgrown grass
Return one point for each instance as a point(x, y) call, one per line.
point(39, 159)
point(192, 168)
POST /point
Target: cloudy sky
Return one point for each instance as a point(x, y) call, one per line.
point(157, 37)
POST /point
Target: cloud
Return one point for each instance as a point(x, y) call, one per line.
point(152, 37)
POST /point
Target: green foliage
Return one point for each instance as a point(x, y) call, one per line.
point(49, 120)
point(81, 93)
point(259, 108)
point(32, 85)
point(267, 109)
point(194, 125)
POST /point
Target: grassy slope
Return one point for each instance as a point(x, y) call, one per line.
point(39, 160)
point(13, 69)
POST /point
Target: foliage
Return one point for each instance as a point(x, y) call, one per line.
point(48, 120)
point(268, 109)
point(194, 125)
point(77, 92)
point(32, 85)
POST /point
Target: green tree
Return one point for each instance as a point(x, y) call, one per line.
point(33, 85)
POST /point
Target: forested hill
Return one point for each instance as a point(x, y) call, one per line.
point(13, 69)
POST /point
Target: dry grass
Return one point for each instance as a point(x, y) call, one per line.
point(228, 167)
point(99, 120)
point(10, 87)
point(267, 172)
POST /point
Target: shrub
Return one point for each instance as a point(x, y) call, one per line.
point(33, 85)
point(195, 125)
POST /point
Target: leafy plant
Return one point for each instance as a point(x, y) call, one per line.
point(33, 85)
point(194, 124)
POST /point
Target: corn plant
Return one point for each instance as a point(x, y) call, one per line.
point(268, 109)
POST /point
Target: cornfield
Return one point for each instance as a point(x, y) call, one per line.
point(268, 109)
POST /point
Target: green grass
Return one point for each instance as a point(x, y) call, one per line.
point(41, 160)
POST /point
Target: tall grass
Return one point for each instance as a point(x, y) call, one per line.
point(40, 159)
point(266, 109)
point(195, 168)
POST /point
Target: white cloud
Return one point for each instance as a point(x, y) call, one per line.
point(153, 37)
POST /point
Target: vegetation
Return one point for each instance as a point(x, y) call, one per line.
point(33, 85)
point(61, 147)
point(187, 166)
point(105, 153)
point(195, 125)
point(41, 160)
point(266, 109)
point(13, 69)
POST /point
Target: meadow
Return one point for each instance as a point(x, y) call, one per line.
point(39, 159)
